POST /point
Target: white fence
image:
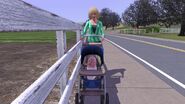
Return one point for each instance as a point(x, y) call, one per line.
point(39, 90)
point(68, 89)
point(17, 15)
point(170, 30)
point(133, 31)
point(141, 31)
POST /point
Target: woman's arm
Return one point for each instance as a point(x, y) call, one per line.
point(101, 30)
point(85, 29)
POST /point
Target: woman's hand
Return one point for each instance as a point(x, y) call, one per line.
point(82, 38)
point(102, 39)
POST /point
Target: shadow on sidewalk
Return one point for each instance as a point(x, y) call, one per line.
point(114, 77)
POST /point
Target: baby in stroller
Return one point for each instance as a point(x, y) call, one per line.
point(92, 65)
point(92, 80)
point(91, 61)
point(93, 49)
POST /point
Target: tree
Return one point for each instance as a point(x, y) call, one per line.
point(105, 17)
point(114, 19)
point(173, 12)
point(163, 18)
point(130, 16)
point(109, 18)
point(141, 13)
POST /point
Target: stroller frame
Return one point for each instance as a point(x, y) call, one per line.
point(95, 87)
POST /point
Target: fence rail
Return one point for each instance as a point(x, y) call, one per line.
point(133, 31)
point(170, 30)
point(142, 31)
point(69, 87)
point(17, 15)
point(39, 90)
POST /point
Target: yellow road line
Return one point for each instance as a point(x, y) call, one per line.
point(150, 43)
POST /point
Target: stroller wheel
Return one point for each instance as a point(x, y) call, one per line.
point(76, 99)
point(79, 99)
point(104, 99)
point(107, 99)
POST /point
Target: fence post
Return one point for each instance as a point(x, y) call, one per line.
point(78, 36)
point(61, 49)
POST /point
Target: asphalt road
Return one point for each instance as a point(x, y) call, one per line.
point(168, 56)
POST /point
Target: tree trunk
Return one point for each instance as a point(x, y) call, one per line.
point(182, 31)
point(137, 26)
point(105, 27)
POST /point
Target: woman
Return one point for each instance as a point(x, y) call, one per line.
point(94, 27)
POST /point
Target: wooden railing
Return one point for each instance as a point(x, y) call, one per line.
point(133, 31)
point(170, 30)
point(143, 31)
point(17, 15)
point(39, 90)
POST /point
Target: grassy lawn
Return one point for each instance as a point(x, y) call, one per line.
point(162, 35)
point(32, 37)
point(165, 36)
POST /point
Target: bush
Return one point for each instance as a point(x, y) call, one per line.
point(150, 29)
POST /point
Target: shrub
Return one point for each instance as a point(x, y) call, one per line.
point(150, 29)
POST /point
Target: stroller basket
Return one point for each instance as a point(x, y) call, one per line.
point(92, 83)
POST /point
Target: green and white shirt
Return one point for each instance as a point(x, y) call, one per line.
point(88, 29)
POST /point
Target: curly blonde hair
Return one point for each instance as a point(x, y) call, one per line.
point(93, 10)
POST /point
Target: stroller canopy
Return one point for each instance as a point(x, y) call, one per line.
point(92, 50)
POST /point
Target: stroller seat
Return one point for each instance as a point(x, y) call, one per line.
point(91, 73)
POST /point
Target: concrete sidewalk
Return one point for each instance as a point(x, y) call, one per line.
point(129, 82)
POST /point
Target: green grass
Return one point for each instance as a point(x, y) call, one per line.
point(32, 37)
point(122, 27)
point(165, 36)
point(158, 35)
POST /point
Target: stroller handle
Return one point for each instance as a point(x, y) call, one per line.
point(97, 44)
point(92, 35)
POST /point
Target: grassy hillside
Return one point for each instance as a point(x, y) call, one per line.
point(48, 37)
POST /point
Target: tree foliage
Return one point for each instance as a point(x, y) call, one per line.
point(146, 12)
point(141, 13)
point(172, 12)
point(109, 18)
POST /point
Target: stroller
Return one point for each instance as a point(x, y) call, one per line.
point(92, 77)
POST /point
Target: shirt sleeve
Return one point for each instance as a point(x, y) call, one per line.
point(85, 28)
point(101, 29)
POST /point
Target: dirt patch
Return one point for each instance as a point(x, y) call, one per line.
point(21, 64)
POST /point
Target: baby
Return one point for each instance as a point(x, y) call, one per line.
point(91, 65)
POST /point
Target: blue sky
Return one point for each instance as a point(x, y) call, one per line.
point(77, 10)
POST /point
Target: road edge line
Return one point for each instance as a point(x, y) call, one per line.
point(152, 43)
point(154, 38)
point(147, 63)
